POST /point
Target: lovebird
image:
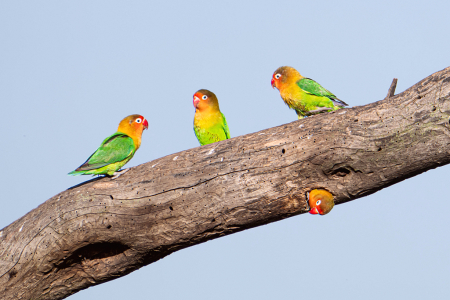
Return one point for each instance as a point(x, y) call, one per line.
point(116, 150)
point(320, 202)
point(302, 94)
point(210, 125)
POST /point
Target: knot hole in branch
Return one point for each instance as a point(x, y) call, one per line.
point(93, 251)
point(343, 171)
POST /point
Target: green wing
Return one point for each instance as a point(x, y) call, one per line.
point(311, 87)
point(113, 149)
point(225, 127)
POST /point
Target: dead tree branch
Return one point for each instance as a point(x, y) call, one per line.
point(107, 228)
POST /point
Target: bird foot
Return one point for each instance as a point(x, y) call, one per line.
point(120, 173)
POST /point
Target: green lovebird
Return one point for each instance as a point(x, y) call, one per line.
point(210, 125)
point(304, 95)
point(116, 150)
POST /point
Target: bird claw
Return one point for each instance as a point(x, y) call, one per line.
point(120, 173)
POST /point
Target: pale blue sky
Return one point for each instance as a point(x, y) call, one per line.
point(71, 70)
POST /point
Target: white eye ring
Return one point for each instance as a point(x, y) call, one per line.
point(318, 202)
point(277, 76)
point(138, 120)
point(204, 97)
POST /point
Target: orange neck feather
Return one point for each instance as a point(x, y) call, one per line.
point(290, 77)
point(133, 130)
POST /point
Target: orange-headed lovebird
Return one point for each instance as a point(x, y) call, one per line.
point(320, 202)
point(116, 150)
point(304, 95)
point(210, 125)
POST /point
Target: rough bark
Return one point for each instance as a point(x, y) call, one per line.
point(107, 228)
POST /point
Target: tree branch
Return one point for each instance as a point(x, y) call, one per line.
point(105, 228)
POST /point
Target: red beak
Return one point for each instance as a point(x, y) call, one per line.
point(196, 101)
point(272, 83)
point(145, 124)
point(313, 211)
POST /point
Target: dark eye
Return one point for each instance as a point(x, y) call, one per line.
point(277, 76)
point(318, 202)
point(204, 97)
point(138, 120)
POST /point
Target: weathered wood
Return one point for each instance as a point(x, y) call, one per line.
point(107, 228)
